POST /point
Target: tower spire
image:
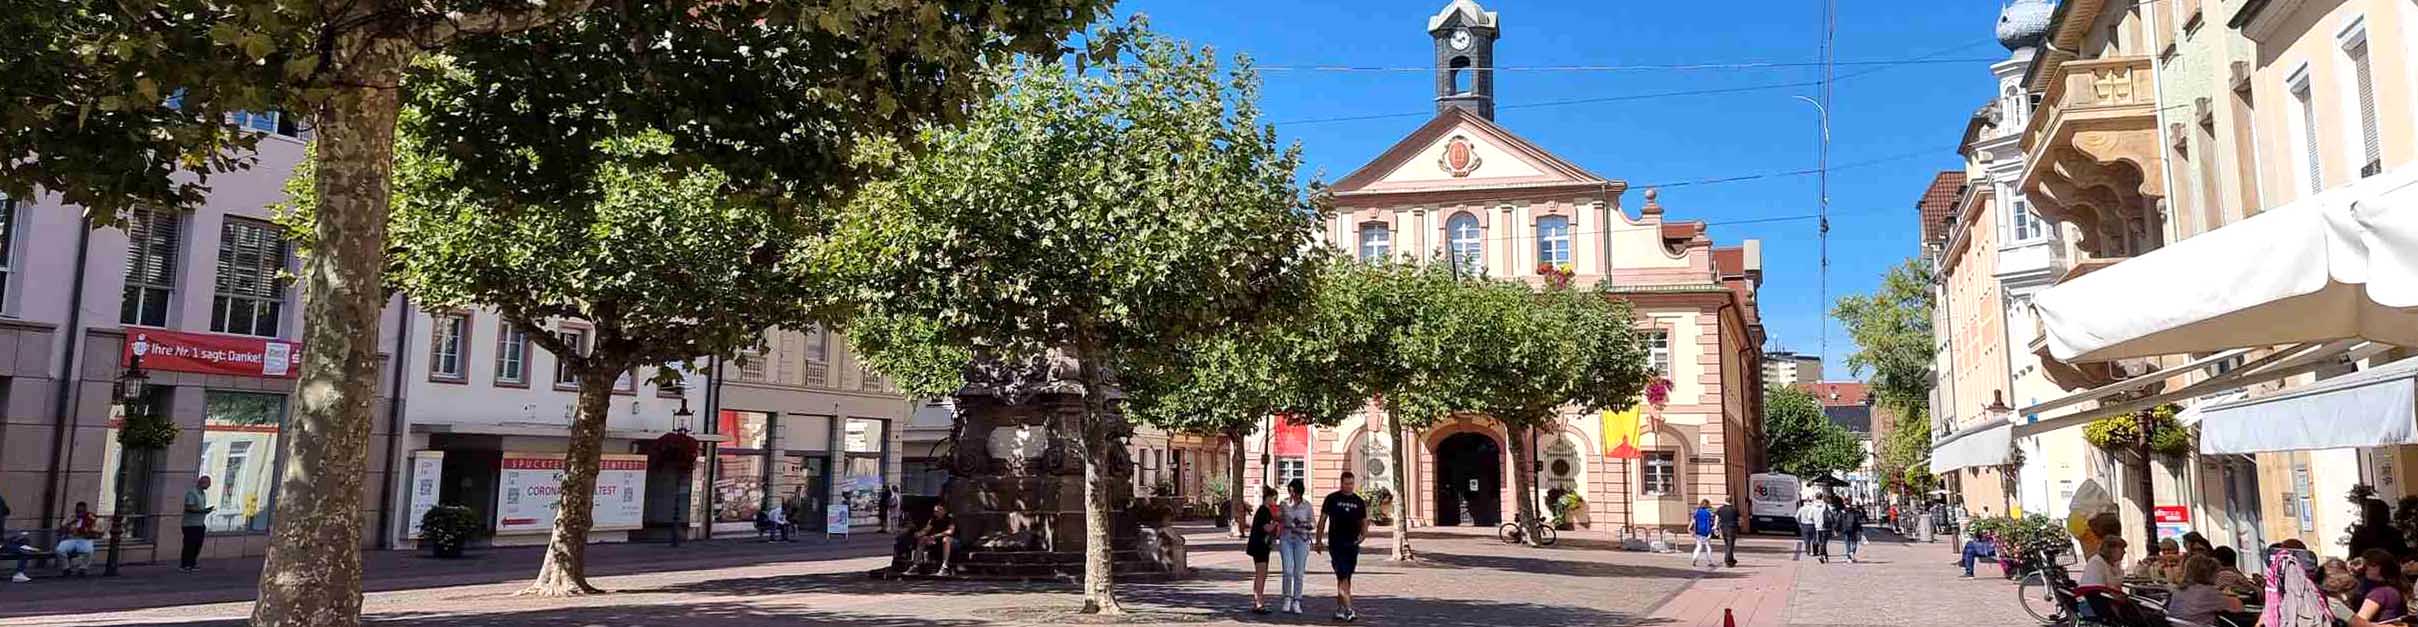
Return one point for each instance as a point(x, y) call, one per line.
point(1465, 34)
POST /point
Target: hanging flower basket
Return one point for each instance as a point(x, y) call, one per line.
point(146, 432)
point(677, 451)
point(2120, 433)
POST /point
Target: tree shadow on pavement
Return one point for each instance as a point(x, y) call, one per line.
point(667, 615)
point(1390, 610)
point(1572, 568)
point(854, 583)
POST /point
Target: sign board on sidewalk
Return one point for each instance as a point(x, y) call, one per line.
point(835, 519)
point(427, 475)
point(529, 490)
point(211, 353)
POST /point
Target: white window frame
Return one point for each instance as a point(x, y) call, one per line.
point(2359, 98)
point(8, 252)
point(175, 257)
point(511, 349)
point(449, 338)
point(1375, 249)
point(1646, 473)
point(223, 303)
point(1468, 248)
point(2303, 117)
point(1549, 243)
point(1658, 350)
point(579, 338)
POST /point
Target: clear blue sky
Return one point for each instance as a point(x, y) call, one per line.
point(1910, 114)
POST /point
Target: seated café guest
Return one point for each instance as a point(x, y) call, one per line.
point(2165, 565)
point(2228, 577)
point(2196, 597)
point(2103, 568)
point(2196, 544)
point(2383, 594)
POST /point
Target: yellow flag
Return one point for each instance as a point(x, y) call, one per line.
point(1620, 434)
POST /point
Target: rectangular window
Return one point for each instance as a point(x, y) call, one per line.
point(1553, 241)
point(1661, 473)
point(627, 383)
point(577, 339)
point(511, 356)
point(8, 233)
point(818, 344)
point(1658, 351)
point(2027, 224)
point(448, 334)
point(2310, 165)
point(251, 295)
point(141, 466)
point(1289, 469)
point(2364, 80)
point(1376, 242)
point(151, 241)
point(239, 454)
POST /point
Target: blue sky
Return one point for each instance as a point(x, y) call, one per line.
point(1909, 114)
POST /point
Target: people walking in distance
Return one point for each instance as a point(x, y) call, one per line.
point(1807, 512)
point(1727, 519)
point(1851, 529)
point(1700, 524)
point(1300, 524)
point(1265, 529)
point(195, 522)
point(1824, 521)
point(1343, 521)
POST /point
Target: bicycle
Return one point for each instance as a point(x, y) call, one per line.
point(1526, 527)
point(2045, 590)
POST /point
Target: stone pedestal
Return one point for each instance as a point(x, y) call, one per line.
point(1017, 478)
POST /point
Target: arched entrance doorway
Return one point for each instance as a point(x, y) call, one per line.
point(1469, 480)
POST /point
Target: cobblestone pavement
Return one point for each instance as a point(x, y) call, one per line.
point(1469, 581)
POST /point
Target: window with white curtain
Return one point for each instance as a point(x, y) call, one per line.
point(1376, 242)
point(1467, 242)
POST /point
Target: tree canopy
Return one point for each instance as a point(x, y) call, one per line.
point(1799, 440)
point(1892, 331)
point(1108, 213)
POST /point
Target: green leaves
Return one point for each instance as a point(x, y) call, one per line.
point(1892, 331)
point(1799, 440)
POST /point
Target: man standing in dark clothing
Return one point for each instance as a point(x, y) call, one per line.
point(1342, 522)
point(195, 523)
point(1726, 519)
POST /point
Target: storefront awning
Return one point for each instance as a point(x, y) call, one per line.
point(2338, 265)
point(2374, 407)
point(1987, 445)
point(2289, 361)
point(543, 430)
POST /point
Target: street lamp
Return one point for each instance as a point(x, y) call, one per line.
point(132, 386)
point(679, 439)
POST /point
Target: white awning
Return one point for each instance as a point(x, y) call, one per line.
point(2373, 407)
point(2287, 362)
point(1984, 446)
point(2337, 265)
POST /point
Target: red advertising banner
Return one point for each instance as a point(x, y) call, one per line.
point(2173, 514)
point(208, 353)
point(1292, 439)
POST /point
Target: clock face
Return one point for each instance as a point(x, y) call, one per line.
point(1460, 40)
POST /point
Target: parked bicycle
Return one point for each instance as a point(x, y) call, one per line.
point(2045, 589)
point(1524, 528)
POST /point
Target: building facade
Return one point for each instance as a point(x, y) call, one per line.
point(1785, 369)
point(1465, 191)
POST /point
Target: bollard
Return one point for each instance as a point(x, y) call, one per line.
point(117, 522)
point(1728, 619)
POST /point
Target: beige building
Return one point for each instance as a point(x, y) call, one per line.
point(802, 418)
point(1785, 369)
point(1465, 191)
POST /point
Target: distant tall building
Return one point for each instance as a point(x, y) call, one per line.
point(1784, 369)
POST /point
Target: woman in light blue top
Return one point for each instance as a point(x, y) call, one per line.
point(1300, 523)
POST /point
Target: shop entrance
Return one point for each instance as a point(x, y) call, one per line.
point(1469, 478)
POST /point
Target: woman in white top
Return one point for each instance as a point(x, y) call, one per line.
point(2103, 570)
point(1300, 522)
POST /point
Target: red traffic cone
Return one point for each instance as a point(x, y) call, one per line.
point(1728, 619)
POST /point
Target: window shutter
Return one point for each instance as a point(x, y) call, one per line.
point(151, 247)
point(2370, 148)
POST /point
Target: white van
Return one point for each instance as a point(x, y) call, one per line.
point(1771, 502)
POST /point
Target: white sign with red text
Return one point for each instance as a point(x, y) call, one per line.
point(529, 490)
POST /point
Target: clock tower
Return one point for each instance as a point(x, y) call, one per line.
point(1465, 34)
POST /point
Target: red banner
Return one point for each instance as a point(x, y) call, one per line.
point(1292, 439)
point(207, 353)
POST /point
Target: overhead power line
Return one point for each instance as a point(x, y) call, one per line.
point(1746, 65)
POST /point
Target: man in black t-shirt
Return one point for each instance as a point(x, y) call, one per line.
point(1342, 521)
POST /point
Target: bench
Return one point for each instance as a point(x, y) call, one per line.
point(33, 551)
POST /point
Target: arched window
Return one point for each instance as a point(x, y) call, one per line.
point(1468, 244)
point(1553, 240)
point(1460, 75)
point(1376, 242)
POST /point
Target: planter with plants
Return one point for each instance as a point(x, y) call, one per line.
point(1381, 504)
point(449, 528)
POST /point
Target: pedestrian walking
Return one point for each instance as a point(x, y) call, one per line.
point(1343, 520)
point(1727, 519)
point(1700, 524)
point(1826, 526)
point(195, 521)
point(1852, 530)
point(1300, 524)
point(1807, 513)
point(1265, 529)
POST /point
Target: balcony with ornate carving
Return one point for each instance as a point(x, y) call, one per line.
point(2092, 154)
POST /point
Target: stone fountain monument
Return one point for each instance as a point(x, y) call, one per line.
point(1016, 486)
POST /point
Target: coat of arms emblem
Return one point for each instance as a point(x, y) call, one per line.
point(1459, 159)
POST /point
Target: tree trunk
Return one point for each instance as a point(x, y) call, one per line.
point(312, 575)
point(1237, 511)
point(1402, 482)
point(565, 571)
point(1099, 459)
point(2147, 485)
point(1523, 479)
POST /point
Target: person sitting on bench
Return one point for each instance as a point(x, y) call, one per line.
point(915, 547)
point(76, 538)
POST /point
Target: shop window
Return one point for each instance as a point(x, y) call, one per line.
point(251, 295)
point(739, 490)
point(1661, 473)
point(239, 454)
point(141, 467)
point(151, 241)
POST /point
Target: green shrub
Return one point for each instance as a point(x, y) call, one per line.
point(448, 527)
